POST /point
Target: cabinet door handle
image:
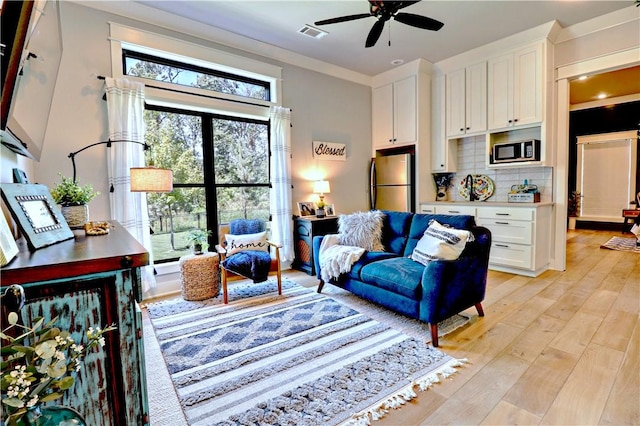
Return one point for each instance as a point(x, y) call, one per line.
point(502, 223)
point(461, 129)
point(515, 120)
point(502, 245)
point(468, 128)
point(503, 214)
point(454, 211)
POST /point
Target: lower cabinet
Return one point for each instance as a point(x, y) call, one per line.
point(520, 234)
point(304, 229)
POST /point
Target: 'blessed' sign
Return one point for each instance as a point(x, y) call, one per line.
point(329, 151)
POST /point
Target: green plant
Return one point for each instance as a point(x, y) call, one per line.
point(38, 365)
point(573, 204)
point(70, 193)
point(198, 236)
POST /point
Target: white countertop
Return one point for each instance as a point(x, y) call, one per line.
point(485, 204)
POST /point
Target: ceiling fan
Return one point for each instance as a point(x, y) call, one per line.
point(383, 11)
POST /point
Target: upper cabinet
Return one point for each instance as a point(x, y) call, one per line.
point(395, 113)
point(466, 100)
point(515, 91)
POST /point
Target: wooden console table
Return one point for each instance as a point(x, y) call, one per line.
point(92, 281)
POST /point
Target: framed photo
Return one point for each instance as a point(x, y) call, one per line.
point(330, 210)
point(306, 208)
point(8, 246)
point(36, 214)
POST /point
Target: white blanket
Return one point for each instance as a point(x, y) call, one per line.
point(336, 259)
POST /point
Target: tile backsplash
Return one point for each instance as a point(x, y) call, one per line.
point(471, 160)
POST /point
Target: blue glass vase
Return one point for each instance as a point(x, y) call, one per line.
point(54, 415)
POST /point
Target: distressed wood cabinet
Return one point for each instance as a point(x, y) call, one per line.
point(92, 281)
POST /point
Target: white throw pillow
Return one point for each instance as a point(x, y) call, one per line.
point(362, 229)
point(236, 243)
point(440, 242)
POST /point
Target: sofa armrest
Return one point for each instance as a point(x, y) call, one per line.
point(317, 241)
point(451, 286)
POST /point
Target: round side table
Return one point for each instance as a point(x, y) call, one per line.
point(199, 276)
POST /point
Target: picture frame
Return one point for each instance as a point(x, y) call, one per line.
point(306, 208)
point(8, 245)
point(39, 219)
point(330, 210)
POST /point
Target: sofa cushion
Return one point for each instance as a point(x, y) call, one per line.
point(440, 242)
point(399, 275)
point(395, 231)
point(367, 258)
point(420, 223)
point(362, 229)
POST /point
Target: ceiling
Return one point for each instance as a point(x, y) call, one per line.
point(467, 25)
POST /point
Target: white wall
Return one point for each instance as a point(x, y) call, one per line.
point(324, 108)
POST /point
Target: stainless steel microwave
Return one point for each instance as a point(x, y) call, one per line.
point(513, 152)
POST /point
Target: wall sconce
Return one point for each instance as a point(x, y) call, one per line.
point(143, 179)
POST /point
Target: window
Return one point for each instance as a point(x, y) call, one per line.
point(206, 118)
point(220, 169)
point(161, 69)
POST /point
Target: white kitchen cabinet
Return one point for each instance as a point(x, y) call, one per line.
point(466, 100)
point(394, 109)
point(515, 88)
point(521, 237)
point(454, 209)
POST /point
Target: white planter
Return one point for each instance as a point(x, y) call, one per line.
point(76, 216)
point(572, 222)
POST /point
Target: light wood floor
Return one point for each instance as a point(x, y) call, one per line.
point(562, 348)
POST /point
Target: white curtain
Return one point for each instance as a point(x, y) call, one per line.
point(281, 211)
point(125, 106)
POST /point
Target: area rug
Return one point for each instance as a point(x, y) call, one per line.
point(300, 358)
point(622, 244)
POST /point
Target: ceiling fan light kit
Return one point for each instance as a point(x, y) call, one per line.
point(384, 11)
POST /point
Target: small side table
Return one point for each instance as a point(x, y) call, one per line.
point(199, 276)
point(629, 214)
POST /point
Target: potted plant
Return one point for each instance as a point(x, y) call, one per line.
point(39, 365)
point(73, 200)
point(573, 208)
point(320, 208)
point(198, 238)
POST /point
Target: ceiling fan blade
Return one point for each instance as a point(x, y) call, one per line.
point(375, 32)
point(418, 21)
point(343, 19)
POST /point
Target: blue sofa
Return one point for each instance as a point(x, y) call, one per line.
point(429, 293)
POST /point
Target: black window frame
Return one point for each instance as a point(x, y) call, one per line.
point(208, 158)
point(127, 53)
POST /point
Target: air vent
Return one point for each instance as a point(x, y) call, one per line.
point(314, 32)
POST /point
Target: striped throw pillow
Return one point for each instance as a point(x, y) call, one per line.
point(440, 242)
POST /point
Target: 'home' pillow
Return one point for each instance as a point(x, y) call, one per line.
point(236, 243)
point(362, 229)
point(440, 242)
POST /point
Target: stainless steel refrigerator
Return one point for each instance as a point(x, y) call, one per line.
point(392, 182)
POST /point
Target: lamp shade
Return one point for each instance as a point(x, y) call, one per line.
point(151, 179)
point(321, 187)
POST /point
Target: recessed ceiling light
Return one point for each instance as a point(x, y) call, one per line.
point(602, 95)
point(397, 62)
point(583, 77)
point(312, 32)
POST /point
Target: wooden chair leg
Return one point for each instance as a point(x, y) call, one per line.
point(434, 335)
point(320, 285)
point(479, 309)
point(225, 295)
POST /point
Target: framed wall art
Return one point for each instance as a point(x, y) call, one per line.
point(36, 214)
